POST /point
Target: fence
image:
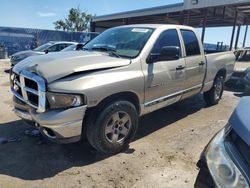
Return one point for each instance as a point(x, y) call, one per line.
point(19, 39)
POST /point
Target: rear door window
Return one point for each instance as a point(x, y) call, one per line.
point(191, 43)
point(62, 46)
point(57, 47)
point(53, 48)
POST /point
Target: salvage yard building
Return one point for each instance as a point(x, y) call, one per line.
point(195, 13)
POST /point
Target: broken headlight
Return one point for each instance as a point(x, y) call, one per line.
point(58, 100)
point(221, 167)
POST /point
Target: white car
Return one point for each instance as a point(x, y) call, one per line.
point(74, 47)
point(53, 46)
point(242, 65)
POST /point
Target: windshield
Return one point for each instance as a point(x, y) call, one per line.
point(123, 41)
point(43, 47)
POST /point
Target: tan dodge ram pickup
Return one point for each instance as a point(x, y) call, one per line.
point(122, 74)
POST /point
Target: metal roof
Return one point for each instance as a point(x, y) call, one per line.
point(191, 12)
point(141, 12)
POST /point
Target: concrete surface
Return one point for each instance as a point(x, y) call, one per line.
point(164, 154)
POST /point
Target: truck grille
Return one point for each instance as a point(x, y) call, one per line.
point(29, 88)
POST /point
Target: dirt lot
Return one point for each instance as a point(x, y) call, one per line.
point(164, 154)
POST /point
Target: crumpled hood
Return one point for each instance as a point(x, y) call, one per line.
point(57, 65)
point(240, 119)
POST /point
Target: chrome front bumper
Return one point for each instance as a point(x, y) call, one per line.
point(29, 99)
point(57, 125)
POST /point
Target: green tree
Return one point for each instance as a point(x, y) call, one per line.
point(77, 20)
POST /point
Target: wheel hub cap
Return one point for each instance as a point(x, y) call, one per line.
point(118, 127)
point(218, 89)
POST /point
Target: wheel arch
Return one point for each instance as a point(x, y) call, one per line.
point(127, 95)
point(222, 72)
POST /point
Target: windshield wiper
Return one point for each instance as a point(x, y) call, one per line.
point(111, 51)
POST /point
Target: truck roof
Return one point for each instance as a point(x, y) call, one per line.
point(154, 26)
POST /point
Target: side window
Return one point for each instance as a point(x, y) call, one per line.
point(62, 46)
point(53, 48)
point(191, 43)
point(57, 47)
point(167, 38)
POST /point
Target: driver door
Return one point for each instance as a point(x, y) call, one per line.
point(165, 79)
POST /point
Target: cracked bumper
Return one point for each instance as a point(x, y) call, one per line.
point(61, 126)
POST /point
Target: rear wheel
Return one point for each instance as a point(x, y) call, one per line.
point(214, 95)
point(114, 127)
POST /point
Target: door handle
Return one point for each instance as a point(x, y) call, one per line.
point(180, 67)
point(201, 63)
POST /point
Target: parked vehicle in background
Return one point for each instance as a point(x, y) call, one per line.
point(242, 66)
point(74, 47)
point(53, 46)
point(225, 161)
point(122, 74)
point(243, 55)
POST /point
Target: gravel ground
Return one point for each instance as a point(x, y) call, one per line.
point(164, 153)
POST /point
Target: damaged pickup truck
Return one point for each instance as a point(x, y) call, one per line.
point(122, 74)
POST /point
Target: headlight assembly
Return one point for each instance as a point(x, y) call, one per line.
point(58, 100)
point(221, 167)
point(19, 57)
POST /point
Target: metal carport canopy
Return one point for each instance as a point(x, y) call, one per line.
point(196, 13)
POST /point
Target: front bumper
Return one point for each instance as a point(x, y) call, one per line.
point(218, 166)
point(60, 126)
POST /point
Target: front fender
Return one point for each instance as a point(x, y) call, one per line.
point(97, 86)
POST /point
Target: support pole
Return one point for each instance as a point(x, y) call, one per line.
point(204, 24)
point(224, 12)
point(232, 37)
point(188, 17)
point(245, 37)
point(125, 21)
point(92, 26)
point(237, 37)
point(181, 19)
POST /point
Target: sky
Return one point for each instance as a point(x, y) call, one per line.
point(42, 13)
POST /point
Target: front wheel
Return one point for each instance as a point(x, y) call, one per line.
point(214, 95)
point(114, 128)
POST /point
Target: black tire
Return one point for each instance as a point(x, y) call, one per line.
point(214, 95)
point(103, 120)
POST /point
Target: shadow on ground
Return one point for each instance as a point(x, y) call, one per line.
point(30, 160)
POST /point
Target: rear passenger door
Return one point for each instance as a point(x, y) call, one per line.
point(195, 62)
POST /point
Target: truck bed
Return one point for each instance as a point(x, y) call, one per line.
point(215, 62)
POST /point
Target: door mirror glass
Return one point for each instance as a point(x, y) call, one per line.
point(167, 53)
point(170, 53)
